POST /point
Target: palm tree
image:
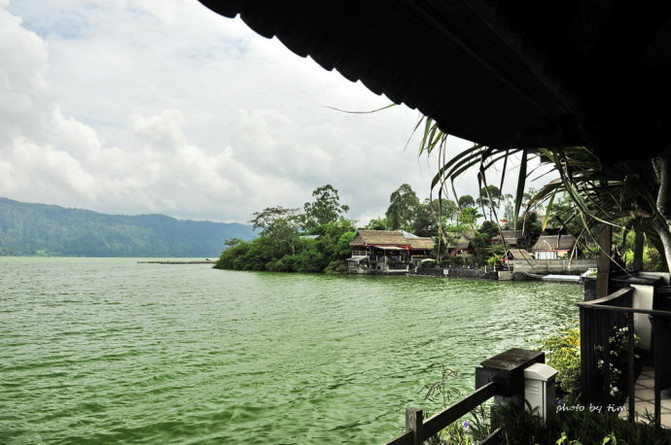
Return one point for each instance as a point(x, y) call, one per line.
point(632, 194)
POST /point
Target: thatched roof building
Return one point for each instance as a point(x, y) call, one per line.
point(517, 254)
point(395, 239)
point(511, 237)
point(554, 242)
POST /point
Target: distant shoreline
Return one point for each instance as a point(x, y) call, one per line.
point(206, 261)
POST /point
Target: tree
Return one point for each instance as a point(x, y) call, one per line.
point(325, 208)
point(280, 247)
point(432, 216)
point(280, 225)
point(490, 198)
point(403, 206)
point(377, 224)
point(619, 194)
point(468, 216)
point(466, 201)
point(490, 229)
point(482, 242)
point(270, 215)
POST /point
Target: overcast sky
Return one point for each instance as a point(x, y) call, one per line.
point(135, 107)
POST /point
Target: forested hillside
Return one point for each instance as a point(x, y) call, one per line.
point(39, 229)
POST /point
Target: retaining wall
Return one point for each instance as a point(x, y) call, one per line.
point(459, 272)
point(552, 266)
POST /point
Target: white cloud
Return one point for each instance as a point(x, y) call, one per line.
point(23, 85)
point(138, 107)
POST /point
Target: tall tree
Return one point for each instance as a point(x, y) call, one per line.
point(324, 209)
point(403, 206)
point(280, 226)
point(377, 224)
point(432, 216)
point(489, 199)
point(466, 201)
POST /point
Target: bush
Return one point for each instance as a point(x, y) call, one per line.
point(563, 354)
point(337, 267)
point(575, 427)
point(613, 368)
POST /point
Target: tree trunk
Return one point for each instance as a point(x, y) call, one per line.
point(661, 222)
point(664, 233)
point(604, 262)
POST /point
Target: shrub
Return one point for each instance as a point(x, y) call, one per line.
point(613, 368)
point(563, 354)
point(575, 427)
point(471, 428)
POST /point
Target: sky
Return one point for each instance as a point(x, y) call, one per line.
point(136, 107)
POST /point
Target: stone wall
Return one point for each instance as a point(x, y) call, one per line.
point(458, 272)
point(560, 266)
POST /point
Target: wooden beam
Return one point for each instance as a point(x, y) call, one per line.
point(604, 262)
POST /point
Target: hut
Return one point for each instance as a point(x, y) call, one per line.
point(512, 238)
point(388, 251)
point(552, 247)
point(516, 254)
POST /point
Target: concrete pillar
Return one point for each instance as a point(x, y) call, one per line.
point(506, 370)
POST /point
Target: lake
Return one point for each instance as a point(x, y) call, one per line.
point(113, 351)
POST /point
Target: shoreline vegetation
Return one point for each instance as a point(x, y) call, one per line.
point(316, 238)
point(205, 261)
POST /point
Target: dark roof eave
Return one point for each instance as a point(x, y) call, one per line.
point(509, 79)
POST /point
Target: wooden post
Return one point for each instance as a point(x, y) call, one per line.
point(603, 265)
point(638, 251)
point(631, 377)
point(506, 370)
point(414, 421)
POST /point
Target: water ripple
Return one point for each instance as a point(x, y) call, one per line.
point(96, 351)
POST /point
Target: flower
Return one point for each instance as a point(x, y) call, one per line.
point(466, 424)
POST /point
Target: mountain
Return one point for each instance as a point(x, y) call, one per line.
point(40, 229)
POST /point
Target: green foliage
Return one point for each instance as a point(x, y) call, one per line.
point(575, 427)
point(623, 247)
point(325, 208)
point(468, 216)
point(471, 428)
point(432, 216)
point(466, 201)
point(490, 229)
point(282, 248)
point(403, 206)
point(616, 361)
point(249, 255)
point(489, 198)
point(377, 224)
point(271, 216)
point(563, 354)
point(38, 229)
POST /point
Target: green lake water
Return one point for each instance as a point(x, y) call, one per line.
point(112, 351)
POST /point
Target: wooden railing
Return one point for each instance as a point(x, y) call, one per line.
point(598, 320)
point(501, 376)
point(418, 430)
